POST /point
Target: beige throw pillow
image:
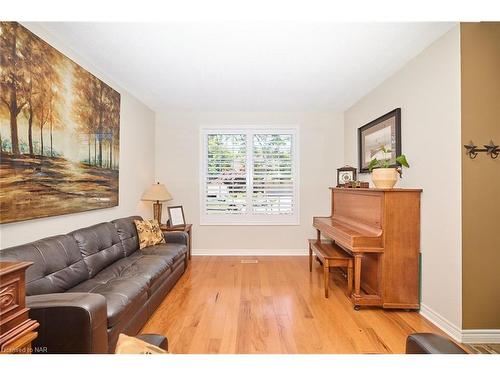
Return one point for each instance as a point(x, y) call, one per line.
point(157, 233)
point(131, 345)
point(149, 233)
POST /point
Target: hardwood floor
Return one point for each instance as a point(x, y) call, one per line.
point(222, 305)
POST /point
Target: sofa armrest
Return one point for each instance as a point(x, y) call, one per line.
point(176, 237)
point(430, 343)
point(70, 322)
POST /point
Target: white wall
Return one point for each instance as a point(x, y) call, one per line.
point(177, 165)
point(428, 91)
point(136, 164)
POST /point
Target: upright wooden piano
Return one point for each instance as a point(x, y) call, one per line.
point(381, 229)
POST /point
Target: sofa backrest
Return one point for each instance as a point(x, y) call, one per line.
point(128, 233)
point(99, 245)
point(58, 264)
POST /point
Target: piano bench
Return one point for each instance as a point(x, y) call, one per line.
point(331, 255)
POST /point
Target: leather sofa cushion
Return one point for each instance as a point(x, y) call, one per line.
point(99, 245)
point(120, 282)
point(149, 268)
point(128, 233)
point(124, 295)
point(58, 264)
point(154, 268)
point(171, 251)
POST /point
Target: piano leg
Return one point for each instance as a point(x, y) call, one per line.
point(357, 278)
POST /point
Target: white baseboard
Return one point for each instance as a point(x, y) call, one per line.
point(448, 327)
point(465, 336)
point(250, 252)
point(481, 336)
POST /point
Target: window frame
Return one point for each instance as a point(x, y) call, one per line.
point(249, 218)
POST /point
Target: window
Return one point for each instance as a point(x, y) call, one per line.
point(249, 176)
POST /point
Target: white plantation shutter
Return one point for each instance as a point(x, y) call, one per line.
point(272, 177)
point(249, 176)
point(226, 180)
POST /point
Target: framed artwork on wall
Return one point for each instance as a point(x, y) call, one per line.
point(59, 132)
point(380, 139)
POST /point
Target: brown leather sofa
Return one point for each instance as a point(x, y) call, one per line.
point(90, 285)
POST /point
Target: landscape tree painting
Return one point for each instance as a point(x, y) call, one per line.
point(59, 132)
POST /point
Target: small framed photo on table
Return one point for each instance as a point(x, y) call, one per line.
point(176, 216)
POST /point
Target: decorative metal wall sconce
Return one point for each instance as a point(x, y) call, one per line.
point(491, 149)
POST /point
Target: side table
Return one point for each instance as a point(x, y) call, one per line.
point(184, 228)
point(17, 330)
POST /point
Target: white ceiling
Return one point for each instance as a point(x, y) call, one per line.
point(248, 66)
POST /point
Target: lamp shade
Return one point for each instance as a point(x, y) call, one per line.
point(157, 192)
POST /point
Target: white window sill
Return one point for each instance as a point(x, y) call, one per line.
point(249, 223)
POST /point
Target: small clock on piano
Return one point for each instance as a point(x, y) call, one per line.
point(345, 175)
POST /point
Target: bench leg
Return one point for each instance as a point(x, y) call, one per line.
point(326, 276)
point(349, 279)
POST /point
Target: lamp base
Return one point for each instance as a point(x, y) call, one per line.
point(157, 212)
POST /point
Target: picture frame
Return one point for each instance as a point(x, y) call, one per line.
point(346, 174)
point(383, 132)
point(51, 149)
point(176, 216)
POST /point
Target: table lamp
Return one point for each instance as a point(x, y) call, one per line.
point(157, 193)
